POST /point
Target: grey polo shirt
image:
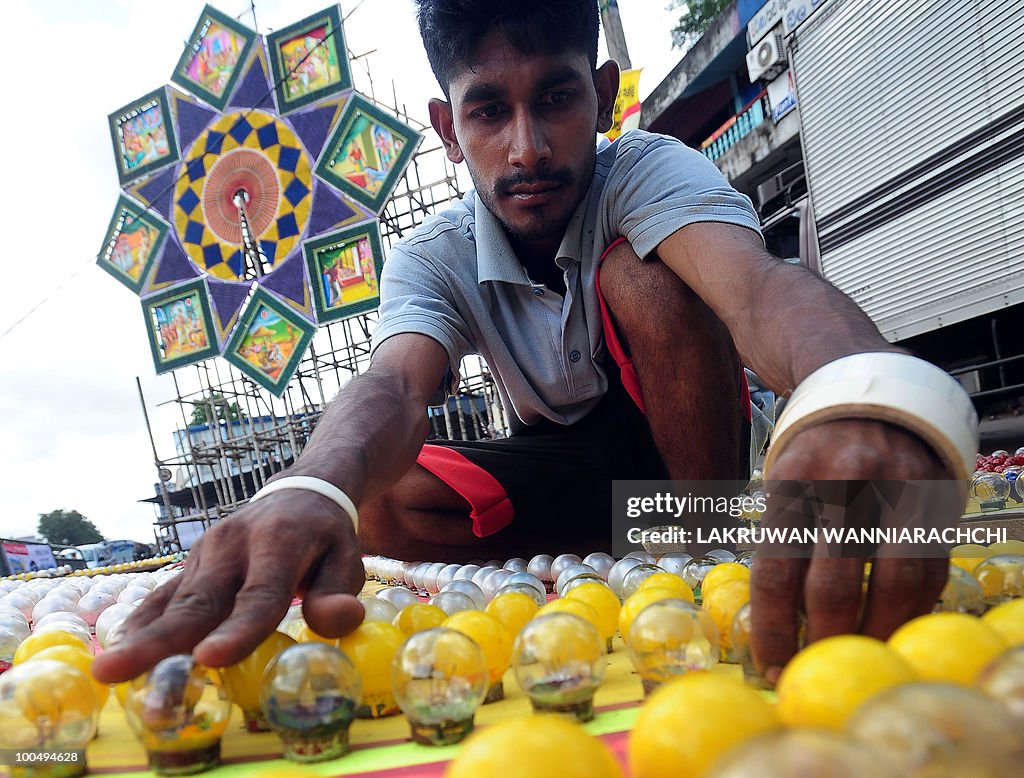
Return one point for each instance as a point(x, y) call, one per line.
point(457, 280)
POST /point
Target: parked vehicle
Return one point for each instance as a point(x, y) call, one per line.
point(102, 554)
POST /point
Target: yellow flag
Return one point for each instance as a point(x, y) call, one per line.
point(627, 104)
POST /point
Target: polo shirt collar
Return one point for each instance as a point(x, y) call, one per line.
point(495, 259)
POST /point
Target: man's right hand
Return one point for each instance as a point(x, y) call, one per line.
point(239, 582)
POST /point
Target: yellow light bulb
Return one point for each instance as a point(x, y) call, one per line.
point(242, 680)
point(488, 633)
point(46, 704)
point(372, 647)
point(513, 610)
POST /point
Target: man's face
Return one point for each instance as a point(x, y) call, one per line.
point(526, 127)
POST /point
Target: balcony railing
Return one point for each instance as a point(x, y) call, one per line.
point(737, 127)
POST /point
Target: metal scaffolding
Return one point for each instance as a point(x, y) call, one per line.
point(234, 434)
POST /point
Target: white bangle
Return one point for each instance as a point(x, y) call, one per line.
point(311, 484)
point(891, 387)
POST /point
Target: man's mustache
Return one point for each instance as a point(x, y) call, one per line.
point(563, 177)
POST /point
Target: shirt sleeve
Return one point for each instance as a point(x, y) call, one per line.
point(415, 298)
point(659, 185)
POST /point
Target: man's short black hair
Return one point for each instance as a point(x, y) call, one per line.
point(452, 29)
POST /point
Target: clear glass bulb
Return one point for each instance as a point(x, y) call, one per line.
point(562, 561)
point(376, 609)
point(465, 573)
point(46, 704)
point(113, 615)
point(695, 571)
point(601, 562)
point(530, 580)
point(481, 575)
point(242, 680)
point(939, 729)
point(618, 571)
point(93, 604)
point(674, 562)
point(571, 571)
point(447, 575)
point(52, 604)
point(540, 566)
point(21, 600)
point(133, 593)
point(15, 627)
point(516, 565)
point(721, 555)
point(670, 638)
point(1001, 578)
point(633, 578)
point(522, 588)
point(9, 642)
point(64, 616)
point(494, 582)
point(559, 661)
point(644, 556)
point(802, 752)
point(470, 589)
point(990, 490)
point(397, 596)
point(178, 720)
point(14, 613)
point(309, 696)
point(439, 678)
point(961, 594)
point(1004, 681)
point(452, 601)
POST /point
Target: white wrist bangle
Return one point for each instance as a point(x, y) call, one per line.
point(886, 386)
point(311, 484)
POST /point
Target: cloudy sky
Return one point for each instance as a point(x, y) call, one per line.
point(72, 340)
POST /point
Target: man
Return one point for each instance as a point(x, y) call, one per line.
point(606, 292)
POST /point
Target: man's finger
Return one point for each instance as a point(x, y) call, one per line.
point(328, 604)
point(195, 608)
point(259, 606)
point(901, 589)
point(775, 593)
point(833, 596)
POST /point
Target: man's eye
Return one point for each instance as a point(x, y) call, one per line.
point(487, 112)
point(556, 98)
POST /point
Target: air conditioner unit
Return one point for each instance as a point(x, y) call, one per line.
point(768, 57)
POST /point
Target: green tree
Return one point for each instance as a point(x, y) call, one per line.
point(697, 17)
point(223, 410)
point(68, 528)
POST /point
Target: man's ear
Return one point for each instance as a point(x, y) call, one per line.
point(606, 79)
point(444, 124)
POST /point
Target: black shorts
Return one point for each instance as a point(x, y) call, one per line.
point(551, 475)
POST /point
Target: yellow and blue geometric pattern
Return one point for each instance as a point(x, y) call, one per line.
point(195, 217)
point(229, 172)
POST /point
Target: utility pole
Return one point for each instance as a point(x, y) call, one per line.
point(613, 33)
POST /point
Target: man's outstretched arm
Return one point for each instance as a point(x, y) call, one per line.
point(786, 323)
point(241, 576)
